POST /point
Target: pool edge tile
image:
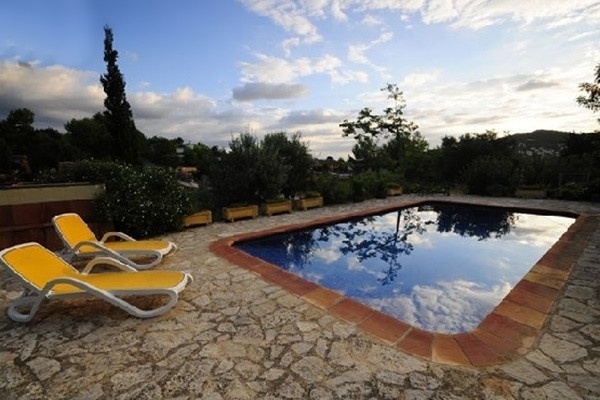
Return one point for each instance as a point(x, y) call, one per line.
point(384, 327)
point(322, 298)
point(477, 352)
point(446, 350)
point(417, 342)
point(523, 315)
point(351, 311)
point(522, 296)
point(509, 330)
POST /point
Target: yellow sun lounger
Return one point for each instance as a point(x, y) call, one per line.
point(46, 276)
point(80, 241)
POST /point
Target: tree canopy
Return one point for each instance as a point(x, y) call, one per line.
point(592, 101)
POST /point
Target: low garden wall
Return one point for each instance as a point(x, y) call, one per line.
point(26, 212)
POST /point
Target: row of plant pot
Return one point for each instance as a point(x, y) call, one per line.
point(269, 208)
point(233, 213)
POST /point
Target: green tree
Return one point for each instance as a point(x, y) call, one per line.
point(46, 149)
point(455, 155)
point(592, 101)
point(91, 137)
point(162, 151)
point(295, 159)
point(233, 172)
point(26, 149)
point(119, 118)
point(17, 130)
point(199, 156)
point(383, 139)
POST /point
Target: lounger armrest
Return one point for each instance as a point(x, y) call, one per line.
point(108, 252)
point(106, 261)
point(120, 235)
point(92, 243)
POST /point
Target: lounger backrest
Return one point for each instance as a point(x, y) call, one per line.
point(72, 229)
point(35, 265)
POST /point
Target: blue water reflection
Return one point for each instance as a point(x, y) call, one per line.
point(441, 267)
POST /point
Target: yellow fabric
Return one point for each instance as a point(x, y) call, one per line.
point(74, 230)
point(39, 266)
point(158, 245)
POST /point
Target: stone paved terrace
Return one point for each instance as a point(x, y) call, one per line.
point(234, 335)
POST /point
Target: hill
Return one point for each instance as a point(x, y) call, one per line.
point(540, 142)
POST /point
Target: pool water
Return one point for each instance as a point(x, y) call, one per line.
point(440, 267)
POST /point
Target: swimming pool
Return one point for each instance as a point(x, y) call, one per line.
point(438, 266)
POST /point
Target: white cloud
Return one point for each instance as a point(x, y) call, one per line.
point(290, 16)
point(54, 93)
point(312, 117)
point(459, 14)
point(450, 307)
point(267, 91)
point(419, 79)
point(370, 20)
point(479, 14)
point(270, 69)
point(356, 52)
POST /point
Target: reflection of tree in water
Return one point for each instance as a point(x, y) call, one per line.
point(365, 240)
point(299, 248)
point(368, 239)
point(479, 222)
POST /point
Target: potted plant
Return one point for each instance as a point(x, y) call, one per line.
point(201, 213)
point(310, 199)
point(531, 192)
point(240, 210)
point(277, 205)
point(202, 217)
point(394, 189)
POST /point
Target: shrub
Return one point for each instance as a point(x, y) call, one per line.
point(333, 189)
point(141, 201)
point(144, 202)
point(359, 192)
point(496, 176)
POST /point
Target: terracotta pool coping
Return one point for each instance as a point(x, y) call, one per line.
point(508, 332)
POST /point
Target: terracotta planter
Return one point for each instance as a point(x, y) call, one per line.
point(284, 206)
point(232, 213)
point(394, 191)
point(530, 193)
point(199, 218)
point(304, 204)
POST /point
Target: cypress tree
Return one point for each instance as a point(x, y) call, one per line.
point(119, 118)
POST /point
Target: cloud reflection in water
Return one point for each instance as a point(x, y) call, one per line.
point(440, 267)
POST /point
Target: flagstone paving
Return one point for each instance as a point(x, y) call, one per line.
point(235, 334)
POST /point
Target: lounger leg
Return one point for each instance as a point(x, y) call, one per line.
point(27, 301)
point(138, 312)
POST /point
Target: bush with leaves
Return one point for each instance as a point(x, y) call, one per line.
point(488, 175)
point(141, 201)
point(333, 189)
point(146, 202)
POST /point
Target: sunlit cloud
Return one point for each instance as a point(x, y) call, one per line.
point(328, 256)
point(450, 307)
point(288, 15)
point(73, 93)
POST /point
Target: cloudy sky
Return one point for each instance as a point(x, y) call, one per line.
point(208, 70)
